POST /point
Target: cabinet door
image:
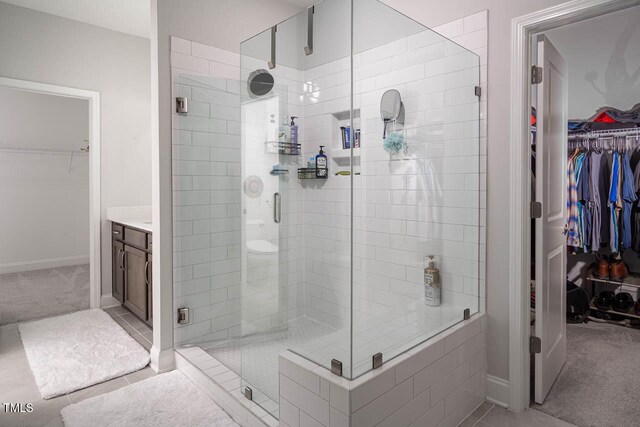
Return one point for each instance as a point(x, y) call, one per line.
point(117, 271)
point(135, 294)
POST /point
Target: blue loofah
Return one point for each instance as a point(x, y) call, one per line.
point(394, 142)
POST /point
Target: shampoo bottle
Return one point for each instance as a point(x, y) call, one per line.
point(432, 289)
point(321, 164)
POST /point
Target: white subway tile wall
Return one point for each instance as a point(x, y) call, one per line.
point(438, 383)
point(206, 191)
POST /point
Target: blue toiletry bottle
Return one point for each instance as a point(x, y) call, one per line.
point(321, 164)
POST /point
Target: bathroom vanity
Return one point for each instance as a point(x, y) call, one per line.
point(131, 248)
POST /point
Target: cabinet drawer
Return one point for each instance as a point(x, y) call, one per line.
point(135, 237)
point(117, 231)
point(150, 242)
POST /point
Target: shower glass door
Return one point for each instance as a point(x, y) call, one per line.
point(268, 169)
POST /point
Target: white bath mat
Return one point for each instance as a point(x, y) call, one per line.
point(77, 350)
point(164, 400)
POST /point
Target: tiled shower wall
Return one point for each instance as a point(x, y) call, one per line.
point(389, 231)
point(429, 201)
point(206, 197)
point(210, 209)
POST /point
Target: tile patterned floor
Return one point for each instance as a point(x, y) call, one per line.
point(17, 384)
point(490, 415)
point(38, 294)
point(139, 330)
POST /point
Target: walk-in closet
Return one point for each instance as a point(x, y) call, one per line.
point(585, 134)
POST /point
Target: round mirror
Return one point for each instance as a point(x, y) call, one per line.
point(390, 105)
point(260, 82)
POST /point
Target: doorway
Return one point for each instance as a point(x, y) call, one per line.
point(555, 333)
point(51, 200)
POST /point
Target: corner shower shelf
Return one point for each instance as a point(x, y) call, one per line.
point(344, 153)
point(283, 148)
point(308, 173)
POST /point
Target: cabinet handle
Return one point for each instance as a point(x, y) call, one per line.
point(146, 273)
point(122, 261)
point(119, 259)
point(116, 232)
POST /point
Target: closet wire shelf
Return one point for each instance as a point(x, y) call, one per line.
point(633, 280)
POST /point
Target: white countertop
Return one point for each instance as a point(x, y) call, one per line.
point(133, 216)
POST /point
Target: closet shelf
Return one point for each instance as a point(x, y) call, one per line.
point(632, 281)
point(592, 306)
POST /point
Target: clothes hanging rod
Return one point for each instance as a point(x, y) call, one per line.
point(42, 151)
point(605, 133)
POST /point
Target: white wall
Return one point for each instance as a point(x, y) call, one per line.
point(40, 121)
point(45, 48)
point(606, 50)
point(45, 203)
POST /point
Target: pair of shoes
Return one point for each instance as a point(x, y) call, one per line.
point(605, 300)
point(613, 269)
point(619, 270)
point(622, 302)
point(636, 307)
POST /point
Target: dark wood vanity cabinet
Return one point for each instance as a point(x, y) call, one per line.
point(131, 266)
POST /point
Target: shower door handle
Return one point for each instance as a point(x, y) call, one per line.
point(276, 208)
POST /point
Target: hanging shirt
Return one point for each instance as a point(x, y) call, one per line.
point(583, 200)
point(613, 200)
point(629, 196)
point(594, 204)
point(578, 167)
point(572, 204)
point(636, 206)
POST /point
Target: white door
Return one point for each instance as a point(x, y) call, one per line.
point(551, 191)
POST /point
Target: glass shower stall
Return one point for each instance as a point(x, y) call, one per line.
point(273, 251)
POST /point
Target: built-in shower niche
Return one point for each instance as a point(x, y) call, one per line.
point(296, 276)
point(345, 155)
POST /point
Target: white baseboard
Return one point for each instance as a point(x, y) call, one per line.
point(108, 300)
point(498, 391)
point(41, 264)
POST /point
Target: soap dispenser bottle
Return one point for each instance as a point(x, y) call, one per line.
point(321, 164)
point(432, 288)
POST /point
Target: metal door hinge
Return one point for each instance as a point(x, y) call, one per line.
point(336, 367)
point(478, 91)
point(377, 360)
point(182, 105)
point(535, 345)
point(536, 210)
point(248, 393)
point(536, 75)
point(183, 315)
point(466, 314)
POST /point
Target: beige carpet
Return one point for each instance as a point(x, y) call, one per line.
point(39, 294)
point(600, 384)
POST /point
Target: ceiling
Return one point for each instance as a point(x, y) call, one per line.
point(126, 16)
point(301, 3)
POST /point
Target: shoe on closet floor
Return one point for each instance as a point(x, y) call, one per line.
point(619, 270)
point(604, 300)
point(601, 268)
point(622, 302)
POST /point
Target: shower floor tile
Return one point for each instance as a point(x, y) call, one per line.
point(255, 357)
